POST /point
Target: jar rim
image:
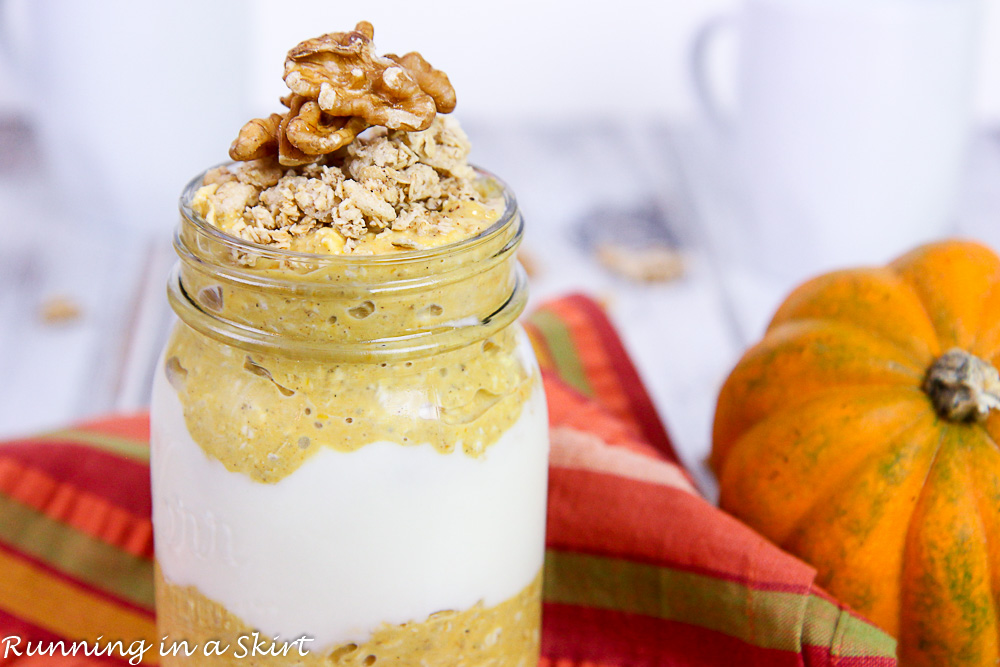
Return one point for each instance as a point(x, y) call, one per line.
point(234, 243)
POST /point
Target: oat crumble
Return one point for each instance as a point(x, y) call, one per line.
point(387, 191)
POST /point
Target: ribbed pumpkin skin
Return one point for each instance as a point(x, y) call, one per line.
point(825, 442)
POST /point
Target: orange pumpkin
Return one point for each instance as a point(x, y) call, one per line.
point(860, 435)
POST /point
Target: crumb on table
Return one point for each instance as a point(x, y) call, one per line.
point(59, 309)
point(655, 263)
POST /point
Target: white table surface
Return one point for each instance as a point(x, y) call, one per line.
point(684, 335)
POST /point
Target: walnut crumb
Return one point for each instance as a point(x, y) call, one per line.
point(59, 310)
point(656, 263)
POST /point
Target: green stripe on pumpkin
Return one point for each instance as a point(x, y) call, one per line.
point(137, 450)
point(77, 555)
point(562, 349)
point(760, 618)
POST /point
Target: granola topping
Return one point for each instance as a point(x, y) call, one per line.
point(361, 162)
point(389, 190)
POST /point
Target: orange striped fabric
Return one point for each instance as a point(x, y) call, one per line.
point(639, 570)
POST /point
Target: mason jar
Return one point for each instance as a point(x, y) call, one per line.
point(349, 454)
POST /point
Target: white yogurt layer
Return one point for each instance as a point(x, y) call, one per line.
point(387, 533)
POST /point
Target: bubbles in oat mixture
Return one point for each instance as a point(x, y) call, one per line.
point(176, 374)
point(211, 297)
point(255, 368)
point(362, 310)
point(343, 652)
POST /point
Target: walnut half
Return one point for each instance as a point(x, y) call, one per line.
point(340, 87)
point(316, 133)
point(257, 139)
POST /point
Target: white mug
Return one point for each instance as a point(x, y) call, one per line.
point(131, 98)
point(851, 128)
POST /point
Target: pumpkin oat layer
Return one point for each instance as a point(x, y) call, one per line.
point(504, 635)
point(289, 409)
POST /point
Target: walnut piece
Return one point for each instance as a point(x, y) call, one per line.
point(432, 81)
point(257, 139)
point(316, 133)
point(653, 264)
point(340, 87)
point(288, 154)
point(58, 310)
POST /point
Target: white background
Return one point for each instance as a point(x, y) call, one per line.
point(524, 59)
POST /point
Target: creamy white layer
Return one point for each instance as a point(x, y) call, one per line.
point(387, 533)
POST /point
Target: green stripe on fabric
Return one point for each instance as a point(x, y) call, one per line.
point(563, 351)
point(767, 619)
point(133, 449)
point(762, 618)
point(78, 555)
point(821, 622)
point(845, 634)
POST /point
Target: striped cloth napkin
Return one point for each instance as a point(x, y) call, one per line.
point(639, 571)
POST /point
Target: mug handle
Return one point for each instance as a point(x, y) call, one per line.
point(6, 50)
point(705, 95)
point(10, 59)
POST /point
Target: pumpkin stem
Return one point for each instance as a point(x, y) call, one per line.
point(962, 386)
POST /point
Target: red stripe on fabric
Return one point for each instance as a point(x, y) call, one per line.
point(568, 407)
point(131, 427)
point(639, 401)
point(566, 662)
point(81, 510)
point(575, 449)
point(600, 514)
point(83, 585)
point(584, 633)
point(815, 656)
point(14, 625)
point(11, 625)
point(122, 481)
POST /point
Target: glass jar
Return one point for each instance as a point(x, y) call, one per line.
point(349, 454)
